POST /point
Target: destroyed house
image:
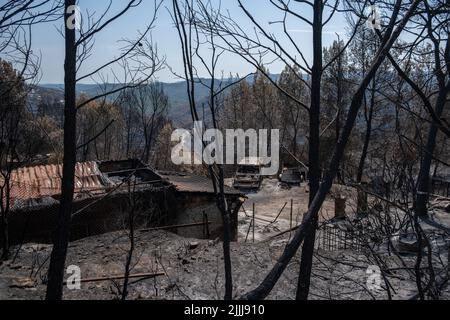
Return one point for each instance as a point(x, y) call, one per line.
point(107, 193)
point(195, 196)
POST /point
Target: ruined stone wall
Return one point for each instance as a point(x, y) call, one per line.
point(98, 216)
point(191, 208)
point(152, 209)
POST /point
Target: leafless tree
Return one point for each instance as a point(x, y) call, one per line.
point(131, 226)
point(431, 26)
point(254, 48)
point(192, 37)
point(17, 18)
point(141, 62)
point(249, 47)
point(152, 104)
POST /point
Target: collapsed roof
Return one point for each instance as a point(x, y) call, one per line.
point(194, 184)
point(41, 185)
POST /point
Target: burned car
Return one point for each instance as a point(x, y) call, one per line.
point(292, 176)
point(248, 175)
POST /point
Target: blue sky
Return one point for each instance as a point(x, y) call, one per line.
point(48, 41)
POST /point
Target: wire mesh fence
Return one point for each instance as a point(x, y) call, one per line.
point(332, 237)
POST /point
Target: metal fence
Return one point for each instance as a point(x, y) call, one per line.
point(331, 237)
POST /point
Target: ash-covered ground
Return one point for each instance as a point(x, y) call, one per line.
point(272, 205)
point(193, 269)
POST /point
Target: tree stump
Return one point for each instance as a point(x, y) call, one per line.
point(339, 207)
point(362, 207)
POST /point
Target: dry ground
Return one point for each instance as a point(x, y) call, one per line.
point(191, 273)
point(194, 268)
point(272, 198)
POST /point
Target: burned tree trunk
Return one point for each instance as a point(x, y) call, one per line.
point(131, 227)
point(314, 147)
point(7, 151)
point(5, 238)
point(275, 273)
point(423, 183)
point(62, 232)
point(225, 213)
point(368, 134)
point(4, 226)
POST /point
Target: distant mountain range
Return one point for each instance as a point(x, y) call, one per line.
point(179, 111)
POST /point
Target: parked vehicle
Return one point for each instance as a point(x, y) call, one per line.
point(292, 176)
point(248, 175)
